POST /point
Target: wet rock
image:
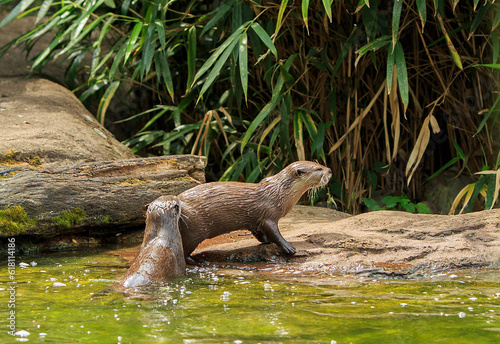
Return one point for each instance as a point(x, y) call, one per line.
point(61, 172)
point(378, 244)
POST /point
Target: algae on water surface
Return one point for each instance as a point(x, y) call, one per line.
point(66, 295)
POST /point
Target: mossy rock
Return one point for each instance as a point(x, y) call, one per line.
point(70, 218)
point(15, 221)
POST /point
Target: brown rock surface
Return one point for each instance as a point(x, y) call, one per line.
point(41, 118)
point(377, 243)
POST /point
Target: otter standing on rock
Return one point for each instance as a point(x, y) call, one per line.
point(161, 257)
point(212, 209)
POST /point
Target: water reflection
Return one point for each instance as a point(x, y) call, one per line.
point(67, 297)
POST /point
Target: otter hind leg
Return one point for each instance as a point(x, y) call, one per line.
point(270, 229)
point(261, 236)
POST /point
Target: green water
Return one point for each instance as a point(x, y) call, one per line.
point(60, 300)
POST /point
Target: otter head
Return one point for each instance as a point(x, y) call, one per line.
point(297, 178)
point(161, 216)
point(307, 175)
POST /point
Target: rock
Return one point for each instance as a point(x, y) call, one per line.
point(43, 121)
point(382, 243)
point(442, 190)
point(101, 197)
point(61, 172)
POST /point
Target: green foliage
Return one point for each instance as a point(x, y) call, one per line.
point(254, 86)
point(15, 221)
point(396, 203)
point(69, 218)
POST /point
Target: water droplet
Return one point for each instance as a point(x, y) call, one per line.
point(461, 315)
point(473, 298)
point(33, 263)
point(403, 304)
point(58, 284)
point(22, 333)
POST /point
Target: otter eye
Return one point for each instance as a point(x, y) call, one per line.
point(176, 208)
point(300, 172)
point(319, 169)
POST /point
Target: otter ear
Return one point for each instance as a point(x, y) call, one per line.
point(146, 207)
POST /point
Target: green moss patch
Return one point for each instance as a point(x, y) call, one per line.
point(12, 158)
point(15, 220)
point(70, 218)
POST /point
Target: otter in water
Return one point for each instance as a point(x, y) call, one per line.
point(161, 257)
point(212, 209)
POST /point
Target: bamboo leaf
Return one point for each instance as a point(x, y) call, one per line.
point(191, 56)
point(110, 3)
point(495, 43)
point(390, 70)
point(148, 51)
point(485, 119)
point(327, 4)
point(160, 30)
point(81, 24)
point(471, 199)
point(20, 8)
point(372, 46)
point(214, 73)
point(466, 190)
point(264, 37)
point(152, 120)
point(422, 12)
point(117, 61)
point(280, 16)
point(284, 136)
point(219, 12)
point(263, 114)
point(165, 73)
point(83, 34)
point(448, 164)
point(496, 20)
point(396, 16)
point(479, 17)
point(360, 6)
point(243, 62)
point(475, 4)
point(459, 150)
point(451, 47)
point(105, 100)
point(215, 56)
point(298, 135)
point(43, 10)
point(345, 49)
point(419, 149)
point(131, 42)
point(320, 139)
point(266, 132)
point(305, 13)
point(399, 58)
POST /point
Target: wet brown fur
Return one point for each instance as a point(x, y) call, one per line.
point(161, 257)
point(212, 209)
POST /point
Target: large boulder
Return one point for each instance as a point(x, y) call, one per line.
point(41, 122)
point(62, 172)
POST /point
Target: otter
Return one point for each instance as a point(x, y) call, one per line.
point(161, 257)
point(212, 209)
